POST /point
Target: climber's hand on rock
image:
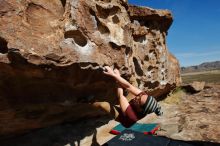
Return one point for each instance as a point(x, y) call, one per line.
point(109, 71)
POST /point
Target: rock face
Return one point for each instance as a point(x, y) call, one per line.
point(195, 86)
point(194, 118)
point(51, 53)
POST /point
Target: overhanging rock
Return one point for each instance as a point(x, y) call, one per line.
point(51, 54)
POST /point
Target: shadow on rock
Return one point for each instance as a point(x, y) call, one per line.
point(67, 134)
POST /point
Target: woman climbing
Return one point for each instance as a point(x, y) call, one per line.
point(139, 106)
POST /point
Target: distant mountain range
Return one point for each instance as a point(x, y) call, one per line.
point(206, 66)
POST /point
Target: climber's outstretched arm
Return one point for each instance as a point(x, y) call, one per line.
point(124, 83)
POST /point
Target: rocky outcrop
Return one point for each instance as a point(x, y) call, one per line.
point(52, 51)
point(195, 117)
point(194, 87)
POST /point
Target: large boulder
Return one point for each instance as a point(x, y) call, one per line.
point(51, 53)
point(194, 87)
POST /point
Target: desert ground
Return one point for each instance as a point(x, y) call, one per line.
point(212, 76)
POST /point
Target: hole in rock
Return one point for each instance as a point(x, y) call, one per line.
point(153, 52)
point(115, 19)
point(63, 2)
point(137, 67)
point(114, 46)
point(107, 1)
point(140, 39)
point(150, 68)
point(128, 50)
point(78, 37)
point(93, 16)
point(105, 12)
point(114, 10)
point(150, 23)
point(138, 82)
point(102, 28)
point(151, 85)
point(3, 46)
point(159, 43)
point(146, 23)
point(146, 58)
point(141, 22)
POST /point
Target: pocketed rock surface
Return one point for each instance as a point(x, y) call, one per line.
point(52, 52)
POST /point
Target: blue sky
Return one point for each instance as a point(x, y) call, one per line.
point(194, 36)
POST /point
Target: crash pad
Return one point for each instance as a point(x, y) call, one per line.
point(134, 138)
point(150, 128)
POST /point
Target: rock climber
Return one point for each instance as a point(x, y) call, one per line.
point(138, 107)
